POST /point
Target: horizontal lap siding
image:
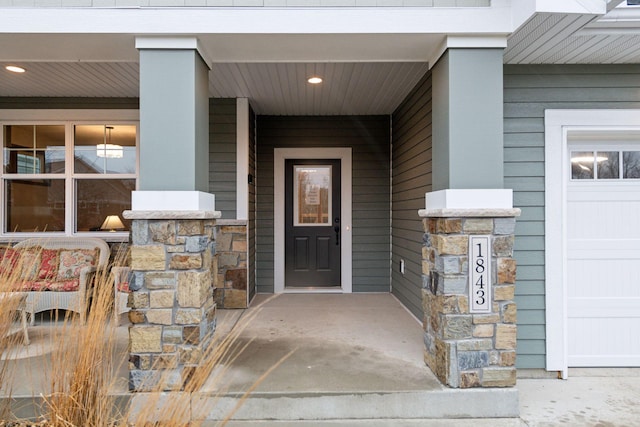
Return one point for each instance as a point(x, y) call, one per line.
point(222, 155)
point(529, 91)
point(411, 179)
point(368, 136)
point(68, 103)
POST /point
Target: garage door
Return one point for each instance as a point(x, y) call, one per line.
point(603, 256)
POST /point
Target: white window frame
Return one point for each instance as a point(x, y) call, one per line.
point(69, 118)
point(559, 124)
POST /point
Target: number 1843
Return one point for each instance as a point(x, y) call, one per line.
point(480, 274)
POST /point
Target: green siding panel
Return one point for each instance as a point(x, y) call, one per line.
point(68, 103)
point(529, 91)
point(222, 155)
point(369, 137)
point(411, 163)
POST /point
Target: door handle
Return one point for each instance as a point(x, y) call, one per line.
point(336, 228)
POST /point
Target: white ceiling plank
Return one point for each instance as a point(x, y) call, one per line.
point(519, 43)
point(564, 28)
point(605, 47)
point(588, 45)
point(627, 46)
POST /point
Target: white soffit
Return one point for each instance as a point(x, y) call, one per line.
point(572, 38)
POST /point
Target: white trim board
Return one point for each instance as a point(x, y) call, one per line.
point(242, 158)
point(558, 125)
point(279, 157)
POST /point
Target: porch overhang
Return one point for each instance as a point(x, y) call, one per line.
point(269, 52)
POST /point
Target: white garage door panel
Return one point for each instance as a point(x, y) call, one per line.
point(602, 220)
point(603, 273)
point(604, 308)
point(603, 249)
point(610, 342)
point(602, 191)
point(610, 277)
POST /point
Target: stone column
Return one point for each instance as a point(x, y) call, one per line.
point(231, 264)
point(462, 348)
point(172, 306)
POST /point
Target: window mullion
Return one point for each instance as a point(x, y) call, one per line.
point(620, 168)
point(69, 204)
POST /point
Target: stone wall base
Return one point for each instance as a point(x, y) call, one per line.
point(466, 349)
point(231, 264)
point(173, 312)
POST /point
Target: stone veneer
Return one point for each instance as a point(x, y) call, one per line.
point(231, 264)
point(173, 313)
point(467, 350)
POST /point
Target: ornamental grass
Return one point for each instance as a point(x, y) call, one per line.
point(80, 374)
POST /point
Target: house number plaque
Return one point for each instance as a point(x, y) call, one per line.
point(480, 274)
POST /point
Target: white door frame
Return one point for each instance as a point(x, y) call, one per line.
point(279, 157)
point(558, 125)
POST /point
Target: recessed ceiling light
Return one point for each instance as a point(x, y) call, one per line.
point(314, 80)
point(15, 69)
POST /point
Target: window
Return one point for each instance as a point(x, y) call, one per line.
point(67, 177)
point(312, 195)
point(601, 165)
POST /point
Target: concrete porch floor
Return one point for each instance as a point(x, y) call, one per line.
point(358, 363)
point(357, 356)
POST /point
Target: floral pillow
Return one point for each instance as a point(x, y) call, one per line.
point(29, 263)
point(74, 260)
point(48, 264)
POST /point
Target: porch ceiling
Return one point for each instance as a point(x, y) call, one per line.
point(273, 88)
point(363, 74)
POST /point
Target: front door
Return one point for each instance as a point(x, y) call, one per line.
point(312, 223)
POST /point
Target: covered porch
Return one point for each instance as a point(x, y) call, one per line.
point(370, 370)
point(201, 164)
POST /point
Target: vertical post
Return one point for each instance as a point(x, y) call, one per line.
point(468, 119)
point(172, 306)
point(174, 115)
point(468, 288)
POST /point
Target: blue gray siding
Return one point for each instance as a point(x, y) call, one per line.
point(411, 179)
point(222, 155)
point(68, 103)
point(529, 91)
point(369, 138)
point(251, 226)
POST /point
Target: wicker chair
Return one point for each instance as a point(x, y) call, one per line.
point(38, 301)
point(121, 295)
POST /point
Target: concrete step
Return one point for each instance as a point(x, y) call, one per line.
point(370, 405)
point(423, 422)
